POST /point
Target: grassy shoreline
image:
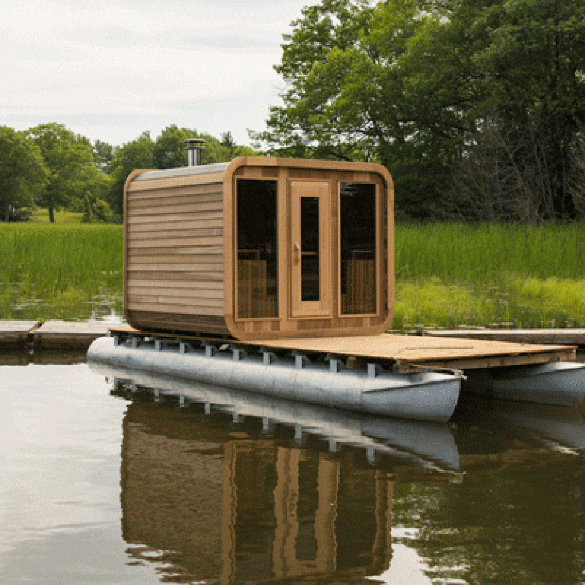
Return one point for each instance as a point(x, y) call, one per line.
point(60, 271)
point(447, 274)
point(451, 275)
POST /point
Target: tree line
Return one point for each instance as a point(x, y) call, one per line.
point(477, 107)
point(51, 167)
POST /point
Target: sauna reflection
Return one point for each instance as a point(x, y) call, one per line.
point(228, 509)
point(220, 501)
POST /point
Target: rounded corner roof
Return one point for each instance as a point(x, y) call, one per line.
point(231, 166)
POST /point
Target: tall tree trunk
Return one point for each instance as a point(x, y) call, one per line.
point(7, 213)
point(51, 214)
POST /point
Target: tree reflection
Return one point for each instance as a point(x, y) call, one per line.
point(518, 514)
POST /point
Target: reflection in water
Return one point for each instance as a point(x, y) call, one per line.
point(424, 441)
point(228, 508)
point(517, 517)
point(232, 491)
point(23, 358)
point(219, 501)
point(212, 495)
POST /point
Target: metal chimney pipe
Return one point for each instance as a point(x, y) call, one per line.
point(194, 146)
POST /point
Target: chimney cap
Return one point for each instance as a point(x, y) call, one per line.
point(194, 143)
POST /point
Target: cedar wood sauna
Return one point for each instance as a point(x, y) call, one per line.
point(260, 248)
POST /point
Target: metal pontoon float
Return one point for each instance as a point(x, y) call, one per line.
point(387, 375)
point(423, 395)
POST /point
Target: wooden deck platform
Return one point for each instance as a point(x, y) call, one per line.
point(16, 333)
point(50, 334)
point(438, 352)
point(540, 336)
point(433, 352)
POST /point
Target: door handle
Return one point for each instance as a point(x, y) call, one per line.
point(297, 249)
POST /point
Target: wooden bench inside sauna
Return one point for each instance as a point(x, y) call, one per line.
point(260, 248)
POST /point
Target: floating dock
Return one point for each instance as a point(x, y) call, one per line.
point(62, 335)
point(80, 334)
point(293, 375)
point(417, 377)
point(16, 333)
point(384, 375)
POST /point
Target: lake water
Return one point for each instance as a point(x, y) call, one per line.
point(103, 482)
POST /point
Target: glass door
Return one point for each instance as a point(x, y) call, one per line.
point(311, 242)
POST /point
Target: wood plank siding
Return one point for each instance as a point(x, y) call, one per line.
point(174, 253)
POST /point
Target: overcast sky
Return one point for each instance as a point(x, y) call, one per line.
point(112, 69)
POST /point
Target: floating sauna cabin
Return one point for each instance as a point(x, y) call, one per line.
point(260, 248)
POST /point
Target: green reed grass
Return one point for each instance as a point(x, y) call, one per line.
point(466, 254)
point(447, 274)
point(70, 271)
point(42, 216)
point(450, 275)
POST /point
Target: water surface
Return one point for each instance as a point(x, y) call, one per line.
point(103, 483)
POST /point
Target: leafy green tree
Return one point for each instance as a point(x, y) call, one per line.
point(223, 150)
point(345, 96)
point(136, 154)
point(169, 148)
point(228, 142)
point(102, 152)
point(97, 210)
point(167, 151)
point(93, 202)
point(22, 171)
point(520, 63)
point(577, 178)
point(409, 83)
point(316, 61)
point(230, 150)
point(66, 157)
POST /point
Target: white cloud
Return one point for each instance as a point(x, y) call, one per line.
point(93, 64)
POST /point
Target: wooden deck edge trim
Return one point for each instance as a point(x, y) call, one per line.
point(536, 336)
point(17, 338)
point(500, 361)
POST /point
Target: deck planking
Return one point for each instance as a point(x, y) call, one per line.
point(432, 352)
point(15, 333)
point(429, 350)
point(540, 336)
point(51, 334)
point(68, 334)
point(437, 352)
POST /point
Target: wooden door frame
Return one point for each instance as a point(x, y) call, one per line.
point(324, 306)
